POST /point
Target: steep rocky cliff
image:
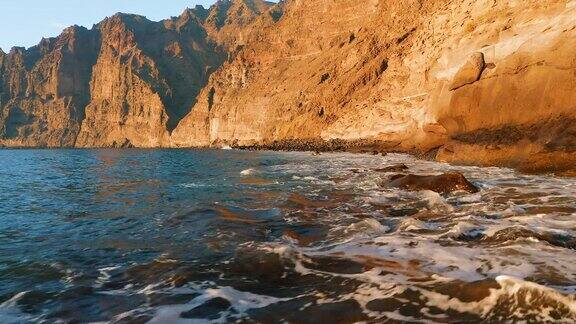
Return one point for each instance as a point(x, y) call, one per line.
point(126, 82)
point(468, 81)
point(484, 81)
point(45, 89)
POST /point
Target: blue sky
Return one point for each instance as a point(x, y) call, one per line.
point(25, 22)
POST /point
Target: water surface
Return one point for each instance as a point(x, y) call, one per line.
point(133, 236)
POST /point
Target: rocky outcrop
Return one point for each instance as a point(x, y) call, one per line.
point(230, 22)
point(482, 82)
point(146, 79)
point(393, 168)
point(470, 72)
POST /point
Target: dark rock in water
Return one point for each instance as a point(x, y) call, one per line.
point(517, 232)
point(209, 309)
point(444, 183)
point(394, 168)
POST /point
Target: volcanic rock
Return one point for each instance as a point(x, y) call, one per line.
point(445, 183)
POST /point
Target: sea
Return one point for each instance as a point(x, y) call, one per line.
point(220, 236)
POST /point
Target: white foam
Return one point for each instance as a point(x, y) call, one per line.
point(412, 224)
point(367, 226)
point(509, 295)
point(473, 198)
point(247, 172)
point(195, 185)
point(435, 201)
point(464, 228)
point(240, 301)
point(104, 276)
point(10, 313)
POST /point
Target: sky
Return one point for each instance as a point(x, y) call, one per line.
point(25, 22)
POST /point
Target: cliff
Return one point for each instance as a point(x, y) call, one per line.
point(483, 82)
point(44, 90)
point(126, 82)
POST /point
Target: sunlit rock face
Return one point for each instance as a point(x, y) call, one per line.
point(44, 90)
point(488, 82)
point(128, 81)
point(470, 81)
point(146, 79)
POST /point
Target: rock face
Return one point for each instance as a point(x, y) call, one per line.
point(126, 82)
point(146, 79)
point(452, 77)
point(482, 82)
point(44, 90)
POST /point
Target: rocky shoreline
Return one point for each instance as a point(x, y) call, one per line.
point(552, 163)
point(539, 165)
point(319, 145)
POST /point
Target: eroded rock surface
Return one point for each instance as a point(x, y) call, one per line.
point(470, 72)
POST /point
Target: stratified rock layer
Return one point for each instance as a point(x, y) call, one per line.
point(468, 81)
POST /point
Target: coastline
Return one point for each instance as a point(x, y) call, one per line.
point(557, 163)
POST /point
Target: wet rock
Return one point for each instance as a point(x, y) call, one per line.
point(320, 145)
point(516, 233)
point(334, 265)
point(209, 309)
point(393, 168)
point(468, 292)
point(444, 183)
point(470, 72)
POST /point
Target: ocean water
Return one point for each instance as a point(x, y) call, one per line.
point(187, 236)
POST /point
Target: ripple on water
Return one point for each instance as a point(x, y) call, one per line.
point(268, 237)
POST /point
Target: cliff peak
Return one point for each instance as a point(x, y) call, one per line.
point(236, 12)
point(198, 12)
point(120, 18)
point(17, 50)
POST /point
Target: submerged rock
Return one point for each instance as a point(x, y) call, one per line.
point(444, 183)
point(393, 168)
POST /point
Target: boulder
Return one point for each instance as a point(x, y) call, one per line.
point(444, 183)
point(470, 72)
